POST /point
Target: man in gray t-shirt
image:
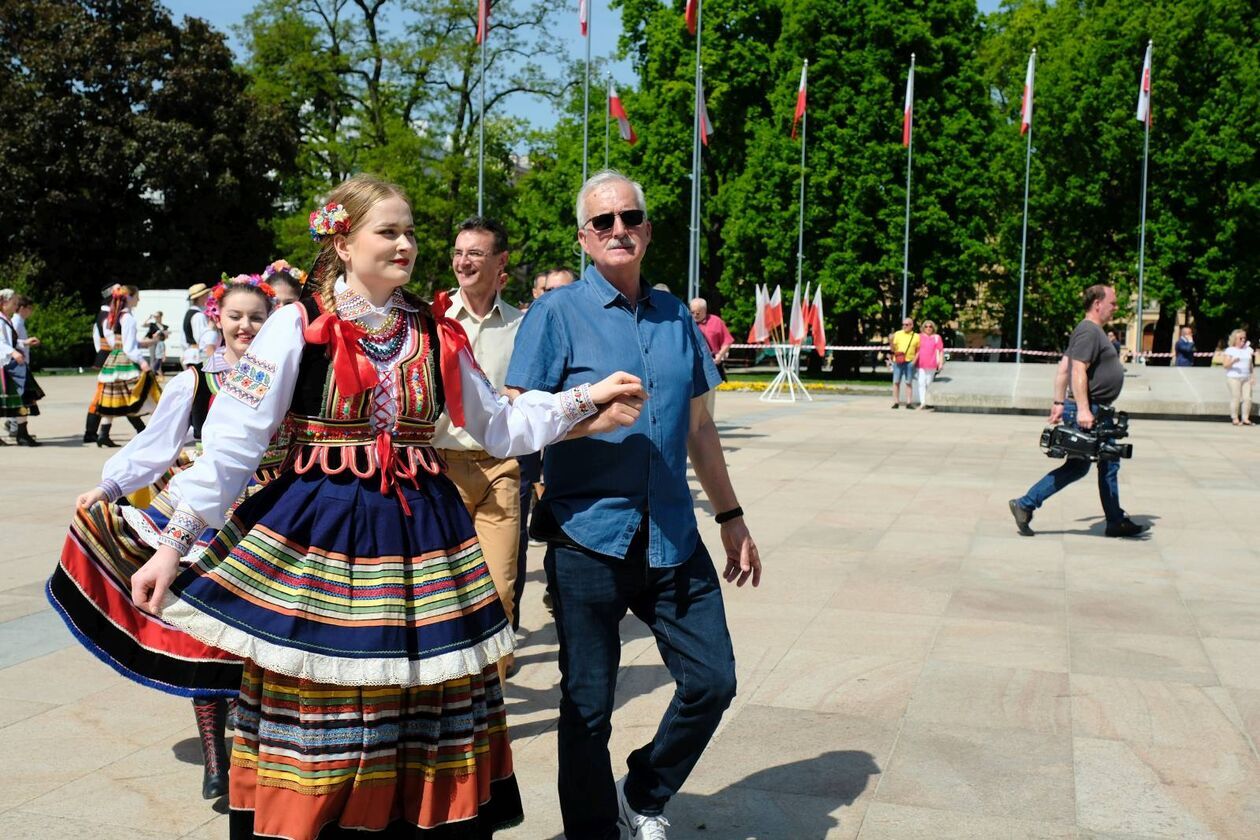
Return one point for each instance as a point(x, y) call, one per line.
point(1092, 366)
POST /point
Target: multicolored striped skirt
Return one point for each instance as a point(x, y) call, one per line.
point(371, 698)
point(123, 389)
point(91, 590)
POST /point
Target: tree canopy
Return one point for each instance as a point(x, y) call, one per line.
point(135, 150)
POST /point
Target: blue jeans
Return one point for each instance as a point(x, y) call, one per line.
point(682, 605)
point(1074, 469)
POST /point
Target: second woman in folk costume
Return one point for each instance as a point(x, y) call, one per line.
point(125, 387)
point(108, 541)
point(353, 584)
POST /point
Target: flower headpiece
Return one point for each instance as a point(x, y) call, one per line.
point(283, 267)
point(228, 283)
point(119, 291)
point(329, 219)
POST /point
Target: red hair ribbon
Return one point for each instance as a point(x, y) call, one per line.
point(351, 368)
point(453, 339)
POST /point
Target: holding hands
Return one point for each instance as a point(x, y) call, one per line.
point(620, 398)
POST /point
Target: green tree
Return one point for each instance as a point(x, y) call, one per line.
point(132, 150)
point(393, 87)
point(1203, 209)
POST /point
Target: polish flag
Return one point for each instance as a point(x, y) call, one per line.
point(907, 122)
point(582, 21)
point(618, 112)
point(483, 19)
point(800, 99)
point(796, 324)
point(693, 15)
point(706, 127)
point(774, 309)
point(1025, 119)
point(816, 326)
point(1144, 92)
point(759, 334)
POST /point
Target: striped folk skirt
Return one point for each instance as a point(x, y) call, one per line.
point(11, 402)
point(370, 701)
point(91, 590)
point(123, 389)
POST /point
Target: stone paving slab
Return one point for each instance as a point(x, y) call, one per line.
point(910, 668)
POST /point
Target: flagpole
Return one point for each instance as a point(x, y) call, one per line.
point(481, 121)
point(586, 117)
point(800, 224)
point(905, 250)
point(1023, 251)
point(1146, 154)
point(693, 261)
point(607, 120)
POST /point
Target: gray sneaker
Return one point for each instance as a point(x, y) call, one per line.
point(1023, 516)
point(641, 827)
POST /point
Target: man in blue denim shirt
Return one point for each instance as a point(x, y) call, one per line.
point(1093, 367)
point(618, 519)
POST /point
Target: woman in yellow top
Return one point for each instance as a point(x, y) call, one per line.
point(902, 350)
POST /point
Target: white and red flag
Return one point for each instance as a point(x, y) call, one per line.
point(618, 112)
point(692, 15)
point(774, 309)
point(1025, 113)
point(796, 322)
point(582, 19)
point(1144, 92)
point(907, 121)
point(706, 127)
point(483, 19)
point(759, 334)
point(816, 327)
point(800, 99)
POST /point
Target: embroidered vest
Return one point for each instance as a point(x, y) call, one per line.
point(335, 432)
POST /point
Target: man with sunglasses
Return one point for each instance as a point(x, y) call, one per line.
point(490, 486)
point(618, 519)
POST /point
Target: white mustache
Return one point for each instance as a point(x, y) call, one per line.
point(620, 242)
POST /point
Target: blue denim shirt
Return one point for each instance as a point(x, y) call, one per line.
point(599, 487)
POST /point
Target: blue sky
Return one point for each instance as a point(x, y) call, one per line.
point(605, 29)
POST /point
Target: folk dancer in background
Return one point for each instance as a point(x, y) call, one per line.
point(126, 386)
point(109, 541)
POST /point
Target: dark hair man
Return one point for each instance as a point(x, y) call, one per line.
point(489, 486)
point(1093, 367)
point(620, 524)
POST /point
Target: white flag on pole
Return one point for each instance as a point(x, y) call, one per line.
point(1144, 89)
point(1025, 120)
point(796, 323)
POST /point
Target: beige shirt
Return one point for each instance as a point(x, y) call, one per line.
point(492, 338)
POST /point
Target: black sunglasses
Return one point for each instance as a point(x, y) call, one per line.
point(605, 221)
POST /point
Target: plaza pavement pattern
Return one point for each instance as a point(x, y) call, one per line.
point(909, 668)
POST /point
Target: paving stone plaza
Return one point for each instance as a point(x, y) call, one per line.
point(909, 668)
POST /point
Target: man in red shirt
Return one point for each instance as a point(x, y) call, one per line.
point(719, 339)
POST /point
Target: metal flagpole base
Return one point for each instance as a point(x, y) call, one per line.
point(786, 386)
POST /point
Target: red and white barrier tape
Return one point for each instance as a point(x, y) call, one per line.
point(883, 348)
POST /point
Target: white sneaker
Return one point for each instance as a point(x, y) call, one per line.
point(640, 827)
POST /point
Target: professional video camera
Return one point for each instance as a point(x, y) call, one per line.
point(1096, 444)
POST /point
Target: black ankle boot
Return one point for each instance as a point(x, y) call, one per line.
point(90, 428)
point(211, 720)
point(23, 437)
point(103, 439)
point(136, 423)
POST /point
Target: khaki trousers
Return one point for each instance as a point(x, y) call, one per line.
point(491, 488)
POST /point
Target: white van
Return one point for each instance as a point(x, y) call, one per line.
point(172, 303)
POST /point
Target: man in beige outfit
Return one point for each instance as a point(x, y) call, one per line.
point(489, 486)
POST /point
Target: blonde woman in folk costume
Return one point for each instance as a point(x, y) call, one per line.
point(352, 585)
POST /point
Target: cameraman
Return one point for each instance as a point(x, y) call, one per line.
point(1093, 367)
